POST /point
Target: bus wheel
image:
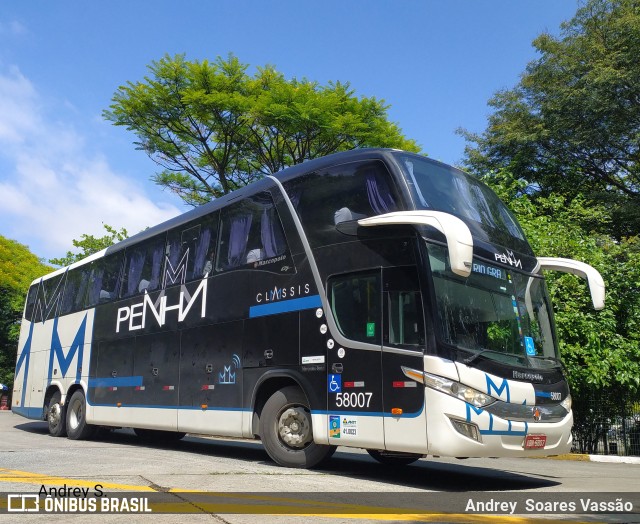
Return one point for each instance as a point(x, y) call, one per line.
point(56, 416)
point(394, 458)
point(286, 432)
point(77, 427)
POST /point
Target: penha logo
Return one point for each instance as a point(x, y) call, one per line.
point(508, 258)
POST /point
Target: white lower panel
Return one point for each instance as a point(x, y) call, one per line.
point(408, 434)
point(130, 417)
point(354, 430)
point(211, 422)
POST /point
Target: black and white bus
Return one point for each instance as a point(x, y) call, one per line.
point(373, 298)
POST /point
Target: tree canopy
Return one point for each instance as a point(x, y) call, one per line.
point(572, 123)
point(89, 244)
point(212, 127)
point(18, 268)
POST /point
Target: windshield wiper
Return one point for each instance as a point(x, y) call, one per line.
point(473, 357)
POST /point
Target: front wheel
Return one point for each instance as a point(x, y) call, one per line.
point(286, 432)
point(77, 427)
point(56, 416)
point(394, 458)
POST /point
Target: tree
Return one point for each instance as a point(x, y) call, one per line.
point(18, 268)
point(213, 128)
point(601, 350)
point(572, 124)
point(90, 245)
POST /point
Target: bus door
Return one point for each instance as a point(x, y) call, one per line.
point(402, 345)
point(354, 380)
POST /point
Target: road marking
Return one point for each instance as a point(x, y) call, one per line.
point(275, 505)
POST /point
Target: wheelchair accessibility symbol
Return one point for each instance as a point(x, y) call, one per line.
point(335, 383)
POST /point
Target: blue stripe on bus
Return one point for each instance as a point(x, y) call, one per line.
point(115, 382)
point(285, 306)
point(29, 412)
point(150, 406)
point(543, 394)
point(368, 413)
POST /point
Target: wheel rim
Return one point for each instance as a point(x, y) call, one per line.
point(294, 427)
point(76, 414)
point(55, 416)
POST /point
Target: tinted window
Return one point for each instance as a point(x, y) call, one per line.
point(355, 303)
point(251, 232)
point(190, 252)
point(48, 298)
point(341, 194)
point(75, 289)
point(143, 267)
point(403, 308)
point(104, 279)
point(31, 301)
point(444, 188)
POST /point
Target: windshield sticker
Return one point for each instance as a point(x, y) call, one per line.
point(530, 346)
point(371, 329)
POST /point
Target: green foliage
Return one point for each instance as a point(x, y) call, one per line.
point(89, 245)
point(18, 268)
point(572, 124)
point(600, 349)
point(212, 128)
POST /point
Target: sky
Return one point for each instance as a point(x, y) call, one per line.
point(64, 170)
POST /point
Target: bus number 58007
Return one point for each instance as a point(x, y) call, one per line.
point(353, 400)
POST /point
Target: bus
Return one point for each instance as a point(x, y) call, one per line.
point(373, 299)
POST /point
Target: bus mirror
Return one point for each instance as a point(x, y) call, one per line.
point(592, 276)
point(459, 240)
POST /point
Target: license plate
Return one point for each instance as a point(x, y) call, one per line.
point(535, 441)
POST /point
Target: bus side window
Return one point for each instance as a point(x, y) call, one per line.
point(251, 231)
point(104, 279)
point(339, 194)
point(75, 289)
point(48, 298)
point(403, 308)
point(143, 265)
point(355, 303)
point(31, 301)
point(190, 251)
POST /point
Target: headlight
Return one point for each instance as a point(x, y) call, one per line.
point(450, 387)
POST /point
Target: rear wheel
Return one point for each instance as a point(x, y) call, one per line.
point(56, 416)
point(77, 427)
point(394, 458)
point(286, 431)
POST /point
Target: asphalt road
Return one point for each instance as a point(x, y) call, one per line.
point(119, 463)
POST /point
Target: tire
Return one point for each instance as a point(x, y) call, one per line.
point(286, 431)
point(394, 458)
point(56, 416)
point(77, 427)
point(157, 436)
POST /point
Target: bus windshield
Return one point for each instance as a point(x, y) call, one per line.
point(440, 187)
point(495, 313)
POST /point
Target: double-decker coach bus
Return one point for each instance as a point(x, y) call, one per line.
point(373, 299)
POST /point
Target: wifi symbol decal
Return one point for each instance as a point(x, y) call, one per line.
point(228, 374)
